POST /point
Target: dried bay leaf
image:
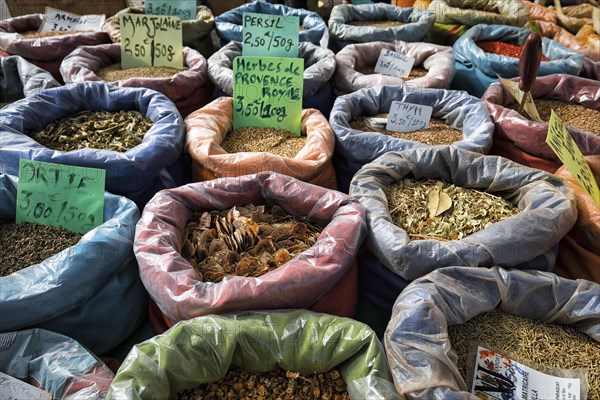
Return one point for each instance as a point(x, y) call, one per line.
point(438, 202)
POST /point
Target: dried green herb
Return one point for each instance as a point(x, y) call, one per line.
point(438, 210)
point(117, 131)
point(270, 140)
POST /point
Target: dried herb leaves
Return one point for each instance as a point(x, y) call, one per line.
point(244, 241)
point(113, 72)
point(117, 131)
point(271, 140)
point(430, 209)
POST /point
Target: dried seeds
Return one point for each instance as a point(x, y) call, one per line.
point(431, 209)
point(35, 35)
point(113, 72)
point(117, 131)
point(283, 385)
point(244, 241)
point(376, 24)
point(577, 115)
point(550, 345)
point(27, 243)
point(253, 139)
point(438, 131)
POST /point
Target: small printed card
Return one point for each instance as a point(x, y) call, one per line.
point(394, 64)
point(408, 117)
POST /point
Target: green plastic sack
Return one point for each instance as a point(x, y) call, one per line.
point(473, 12)
point(202, 350)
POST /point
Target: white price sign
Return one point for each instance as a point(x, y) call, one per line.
point(61, 21)
point(408, 117)
point(14, 389)
point(394, 64)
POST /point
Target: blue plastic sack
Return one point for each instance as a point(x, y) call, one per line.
point(137, 174)
point(354, 148)
point(19, 78)
point(416, 24)
point(229, 24)
point(91, 292)
point(476, 69)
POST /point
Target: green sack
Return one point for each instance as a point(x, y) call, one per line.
point(202, 350)
point(473, 12)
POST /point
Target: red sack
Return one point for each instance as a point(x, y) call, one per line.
point(301, 282)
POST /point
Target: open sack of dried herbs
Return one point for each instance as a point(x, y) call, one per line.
point(136, 135)
point(218, 151)
point(229, 24)
point(18, 36)
point(588, 44)
point(294, 354)
point(195, 32)
point(473, 12)
point(19, 78)
point(486, 51)
point(579, 251)
point(319, 65)
point(355, 66)
point(361, 23)
point(87, 287)
point(457, 119)
point(262, 241)
point(431, 207)
point(535, 318)
point(54, 363)
point(188, 87)
point(575, 100)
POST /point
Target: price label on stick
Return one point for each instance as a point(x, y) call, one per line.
point(394, 64)
point(267, 92)
point(529, 106)
point(150, 41)
point(408, 117)
point(270, 35)
point(184, 9)
point(566, 149)
point(56, 20)
point(60, 195)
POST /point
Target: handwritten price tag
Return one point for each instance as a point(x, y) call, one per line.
point(56, 20)
point(596, 19)
point(14, 389)
point(267, 92)
point(150, 41)
point(394, 64)
point(407, 117)
point(184, 9)
point(529, 106)
point(270, 35)
point(567, 151)
point(60, 195)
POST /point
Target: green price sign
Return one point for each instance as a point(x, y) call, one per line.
point(184, 9)
point(267, 92)
point(150, 41)
point(60, 195)
point(270, 35)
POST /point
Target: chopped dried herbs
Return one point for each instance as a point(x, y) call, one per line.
point(272, 140)
point(113, 72)
point(577, 115)
point(377, 24)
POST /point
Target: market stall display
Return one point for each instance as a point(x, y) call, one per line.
point(55, 363)
point(195, 32)
point(229, 24)
point(214, 156)
point(455, 112)
point(423, 358)
point(433, 66)
point(90, 291)
point(319, 66)
point(19, 78)
point(523, 140)
point(477, 69)
point(295, 342)
point(137, 173)
point(189, 88)
point(181, 292)
point(363, 23)
point(470, 13)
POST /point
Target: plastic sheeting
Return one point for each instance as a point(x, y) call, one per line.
point(473, 12)
point(19, 78)
point(188, 89)
point(298, 341)
point(91, 291)
point(530, 136)
point(416, 24)
point(422, 361)
point(173, 283)
point(525, 240)
point(476, 69)
point(229, 24)
point(137, 173)
point(207, 128)
point(569, 40)
point(437, 60)
point(319, 66)
point(355, 148)
point(195, 33)
point(56, 363)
